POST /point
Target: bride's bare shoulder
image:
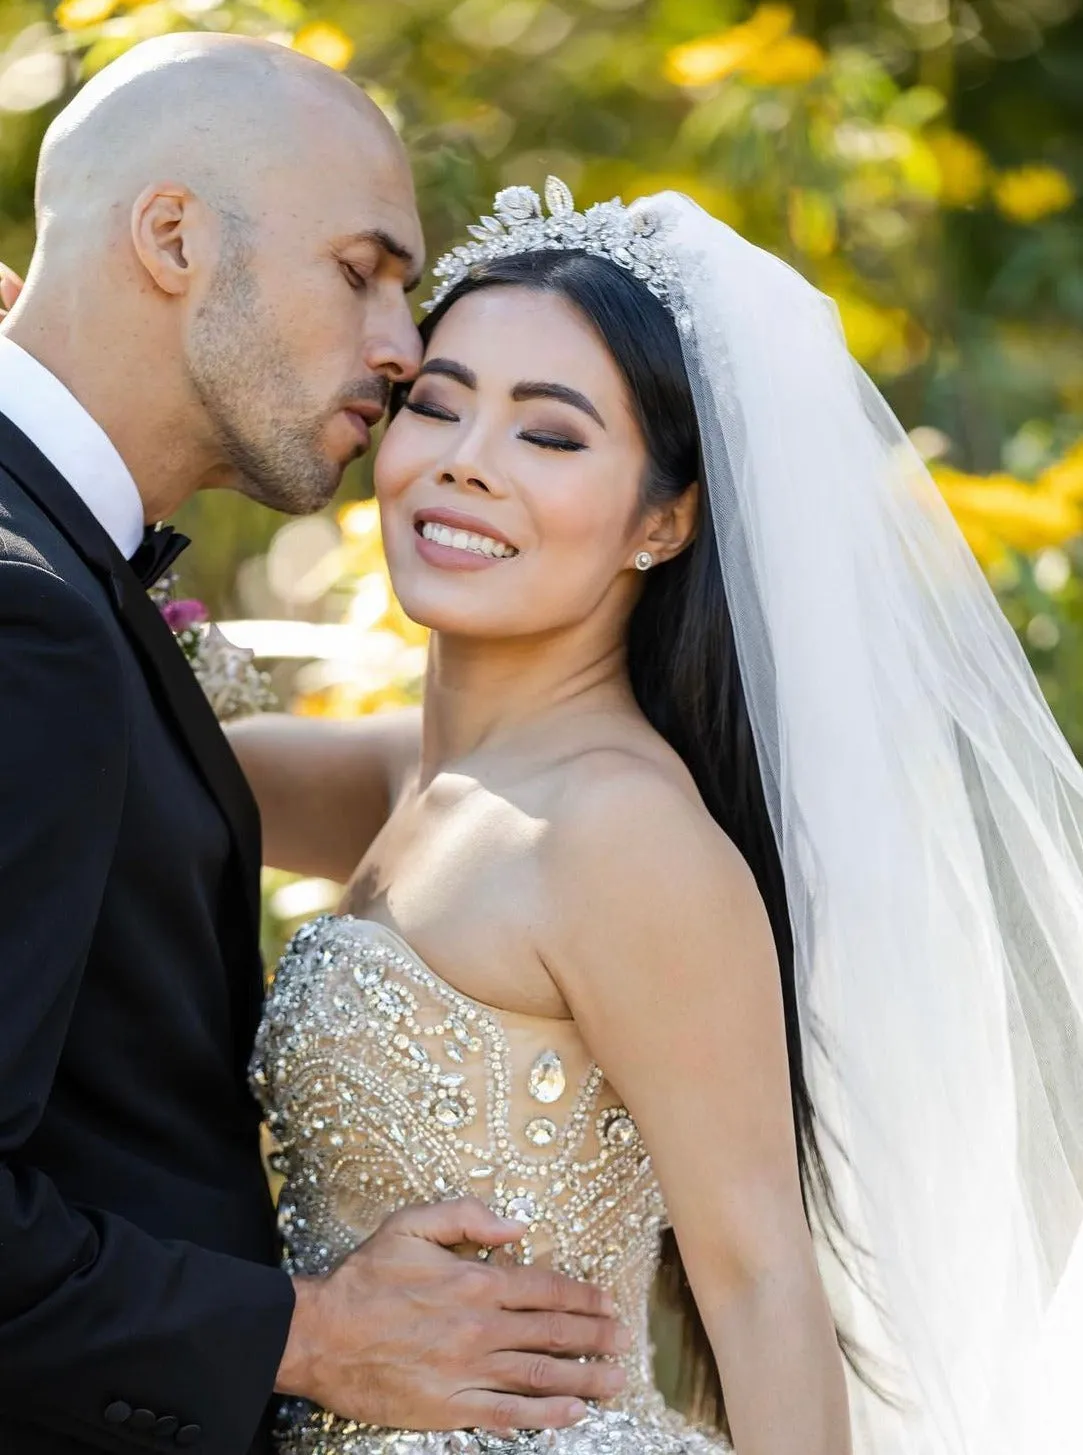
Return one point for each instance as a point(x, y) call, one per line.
point(631, 837)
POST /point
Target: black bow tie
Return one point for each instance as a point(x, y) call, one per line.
point(160, 547)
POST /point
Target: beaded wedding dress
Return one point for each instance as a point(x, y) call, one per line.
point(384, 1086)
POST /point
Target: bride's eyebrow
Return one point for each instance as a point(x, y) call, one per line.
point(535, 390)
point(528, 389)
point(450, 370)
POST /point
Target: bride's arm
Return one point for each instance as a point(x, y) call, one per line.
point(667, 961)
point(324, 788)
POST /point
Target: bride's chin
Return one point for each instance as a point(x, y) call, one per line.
point(450, 619)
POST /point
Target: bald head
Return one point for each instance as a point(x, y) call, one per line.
point(215, 112)
point(246, 217)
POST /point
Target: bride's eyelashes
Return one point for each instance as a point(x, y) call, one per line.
point(552, 441)
point(430, 411)
point(544, 439)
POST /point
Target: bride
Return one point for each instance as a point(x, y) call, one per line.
point(720, 916)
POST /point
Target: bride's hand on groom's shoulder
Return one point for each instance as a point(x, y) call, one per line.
point(408, 1334)
point(11, 285)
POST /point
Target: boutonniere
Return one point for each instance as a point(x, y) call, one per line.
point(233, 684)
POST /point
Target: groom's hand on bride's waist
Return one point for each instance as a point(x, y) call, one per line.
point(408, 1334)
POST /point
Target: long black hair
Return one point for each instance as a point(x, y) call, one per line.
point(682, 662)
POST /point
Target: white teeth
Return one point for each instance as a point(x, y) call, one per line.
point(461, 540)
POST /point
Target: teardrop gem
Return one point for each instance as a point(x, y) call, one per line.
point(547, 1080)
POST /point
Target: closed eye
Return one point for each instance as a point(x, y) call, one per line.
point(357, 281)
point(540, 438)
point(430, 411)
point(551, 441)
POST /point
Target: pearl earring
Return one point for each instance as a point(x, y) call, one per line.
point(644, 560)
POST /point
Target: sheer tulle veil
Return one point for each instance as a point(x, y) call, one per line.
point(929, 816)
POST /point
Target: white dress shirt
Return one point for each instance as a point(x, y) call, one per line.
point(74, 443)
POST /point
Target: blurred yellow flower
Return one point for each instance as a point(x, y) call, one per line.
point(883, 339)
point(699, 62)
point(326, 43)
point(812, 221)
point(1028, 194)
point(963, 167)
point(790, 62)
point(373, 599)
point(1065, 478)
point(360, 525)
point(343, 699)
point(998, 511)
point(76, 14)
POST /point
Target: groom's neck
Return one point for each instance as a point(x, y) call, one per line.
point(133, 386)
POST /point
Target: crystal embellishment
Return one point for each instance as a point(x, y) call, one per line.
point(541, 1132)
point(450, 1113)
point(630, 237)
point(547, 1081)
point(616, 1127)
point(523, 1208)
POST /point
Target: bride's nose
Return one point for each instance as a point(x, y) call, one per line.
point(464, 479)
point(464, 467)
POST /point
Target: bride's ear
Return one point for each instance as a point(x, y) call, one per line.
point(672, 526)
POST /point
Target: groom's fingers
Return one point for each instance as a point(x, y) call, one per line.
point(571, 1336)
point(546, 1290)
point(538, 1375)
point(482, 1410)
point(460, 1220)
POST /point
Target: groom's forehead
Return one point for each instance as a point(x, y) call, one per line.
point(370, 190)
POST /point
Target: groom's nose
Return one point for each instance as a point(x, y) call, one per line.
point(393, 346)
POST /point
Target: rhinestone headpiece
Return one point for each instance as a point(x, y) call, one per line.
point(629, 238)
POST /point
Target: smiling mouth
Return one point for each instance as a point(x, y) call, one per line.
point(464, 540)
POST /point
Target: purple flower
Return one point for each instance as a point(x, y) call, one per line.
point(181, 615)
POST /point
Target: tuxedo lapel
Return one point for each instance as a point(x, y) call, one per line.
point(167, 670)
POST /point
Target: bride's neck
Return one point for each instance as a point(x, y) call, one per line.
point(481, 693)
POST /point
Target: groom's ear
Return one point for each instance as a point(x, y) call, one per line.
point(172, 235)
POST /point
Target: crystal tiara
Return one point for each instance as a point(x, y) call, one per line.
point(630, 238)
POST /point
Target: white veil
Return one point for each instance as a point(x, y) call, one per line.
point(929, 816)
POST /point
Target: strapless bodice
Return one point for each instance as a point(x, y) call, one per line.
point(383, 1086)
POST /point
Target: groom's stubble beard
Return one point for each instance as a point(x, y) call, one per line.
point(242, 373)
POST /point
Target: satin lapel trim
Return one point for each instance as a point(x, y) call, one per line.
point(154, 641)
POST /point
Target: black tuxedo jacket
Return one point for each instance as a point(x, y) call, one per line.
point(140, 1308)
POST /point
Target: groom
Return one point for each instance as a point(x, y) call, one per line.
point(227, 233)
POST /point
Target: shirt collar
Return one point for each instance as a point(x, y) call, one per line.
point(73, 442)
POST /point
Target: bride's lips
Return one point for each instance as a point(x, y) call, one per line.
point(453, 558)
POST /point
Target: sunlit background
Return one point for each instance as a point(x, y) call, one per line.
point(920, 160)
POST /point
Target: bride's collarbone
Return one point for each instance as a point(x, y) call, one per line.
point(457, 873)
